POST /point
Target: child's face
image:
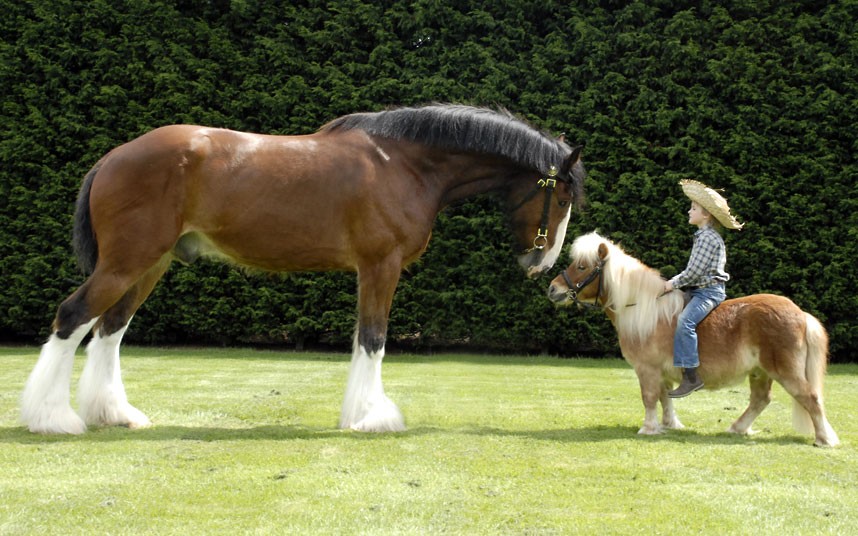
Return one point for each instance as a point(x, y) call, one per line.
point(697, 215)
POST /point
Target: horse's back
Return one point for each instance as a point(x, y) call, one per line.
point(752, 317)
point(307, 202)
point(752, 331)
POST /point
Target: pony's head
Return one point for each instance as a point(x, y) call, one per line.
point(603, 275)
point(583, 281)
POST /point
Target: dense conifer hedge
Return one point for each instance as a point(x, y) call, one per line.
point(759, 98)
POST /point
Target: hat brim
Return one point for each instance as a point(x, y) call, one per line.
point(712, 201)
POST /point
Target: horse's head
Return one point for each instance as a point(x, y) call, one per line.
point(540, 212)
point(582, 282)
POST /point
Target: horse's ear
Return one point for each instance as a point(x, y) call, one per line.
point(572, 159)
point(603, 251)
point(562, 138)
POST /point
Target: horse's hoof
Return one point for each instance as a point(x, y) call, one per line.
point(739, 431)
point(675, 425)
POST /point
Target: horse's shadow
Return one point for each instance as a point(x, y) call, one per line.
point(605, 433)
point(586, 434)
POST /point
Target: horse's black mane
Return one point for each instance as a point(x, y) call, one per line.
point(465, 128)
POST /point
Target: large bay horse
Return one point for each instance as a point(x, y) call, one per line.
point(361, 194)
point(763, 336)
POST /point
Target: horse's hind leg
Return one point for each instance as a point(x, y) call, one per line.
point(45, 402)
point(761, 395)
point(101, 393)
point(810, 401)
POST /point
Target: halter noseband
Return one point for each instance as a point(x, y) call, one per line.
point(574, 289)
point(549, 183)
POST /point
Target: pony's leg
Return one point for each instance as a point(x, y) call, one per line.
point(669, 418)
point(807, 385)
point(101, 392)
point(651, 387)
point(761, 395)
point(810, 402)
point(45, 402)
point(366, 408)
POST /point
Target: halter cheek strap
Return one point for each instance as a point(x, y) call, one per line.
point(574, 289)
point(548, 183)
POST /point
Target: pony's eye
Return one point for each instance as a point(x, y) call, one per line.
point(563, 203)
point(581, 267)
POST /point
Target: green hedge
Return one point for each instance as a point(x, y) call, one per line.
point(756, 97)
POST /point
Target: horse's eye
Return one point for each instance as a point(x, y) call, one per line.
point(581, 267)
point(563, 203)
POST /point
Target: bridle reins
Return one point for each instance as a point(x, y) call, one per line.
point(574, 289)
point(548, 183)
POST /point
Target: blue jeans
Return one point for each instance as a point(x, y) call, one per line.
point(703, 300)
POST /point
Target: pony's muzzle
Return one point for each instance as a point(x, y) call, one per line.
point(559, 297)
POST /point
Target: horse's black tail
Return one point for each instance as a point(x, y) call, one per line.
point(83, 241)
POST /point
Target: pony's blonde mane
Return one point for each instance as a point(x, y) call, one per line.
point(631, 288)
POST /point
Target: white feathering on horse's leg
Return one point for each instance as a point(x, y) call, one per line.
point(366, 408)
point(45, 402)
point(101, 393)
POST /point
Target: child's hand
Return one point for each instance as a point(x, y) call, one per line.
point(667, 287)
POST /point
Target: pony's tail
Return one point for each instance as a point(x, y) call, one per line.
point(814, 368)
point(83, 240)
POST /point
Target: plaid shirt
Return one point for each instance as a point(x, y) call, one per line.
point(706, 265)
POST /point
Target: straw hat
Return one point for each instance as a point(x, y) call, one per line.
point(710, 200)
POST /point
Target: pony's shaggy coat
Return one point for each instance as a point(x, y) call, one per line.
point(762, 337)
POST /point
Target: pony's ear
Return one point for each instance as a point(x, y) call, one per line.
point(603, 251)
point(573, 159)
point(562, 138)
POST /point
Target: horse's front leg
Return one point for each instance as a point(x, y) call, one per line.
point(669, 419)
point(651, 386)
point(366, 407)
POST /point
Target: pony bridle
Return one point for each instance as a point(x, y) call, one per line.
point(547, 183)
point(574, 289)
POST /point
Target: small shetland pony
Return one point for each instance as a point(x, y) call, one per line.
point(763, 336)
point(359, 195)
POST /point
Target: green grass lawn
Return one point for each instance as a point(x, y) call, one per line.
point(245, 441)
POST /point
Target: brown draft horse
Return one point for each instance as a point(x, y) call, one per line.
point(763, 336)
point(361, 194)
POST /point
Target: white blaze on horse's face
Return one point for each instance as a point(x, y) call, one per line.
point(537, 261)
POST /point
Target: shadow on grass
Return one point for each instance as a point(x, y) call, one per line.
point(592, 434)
point(595, 434)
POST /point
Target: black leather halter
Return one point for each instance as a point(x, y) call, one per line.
point(548, 184)
point(574, 289)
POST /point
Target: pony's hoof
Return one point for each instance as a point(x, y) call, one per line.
point(649, 430)
point(741, 431)
point(673, 425)
point(826, 444)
